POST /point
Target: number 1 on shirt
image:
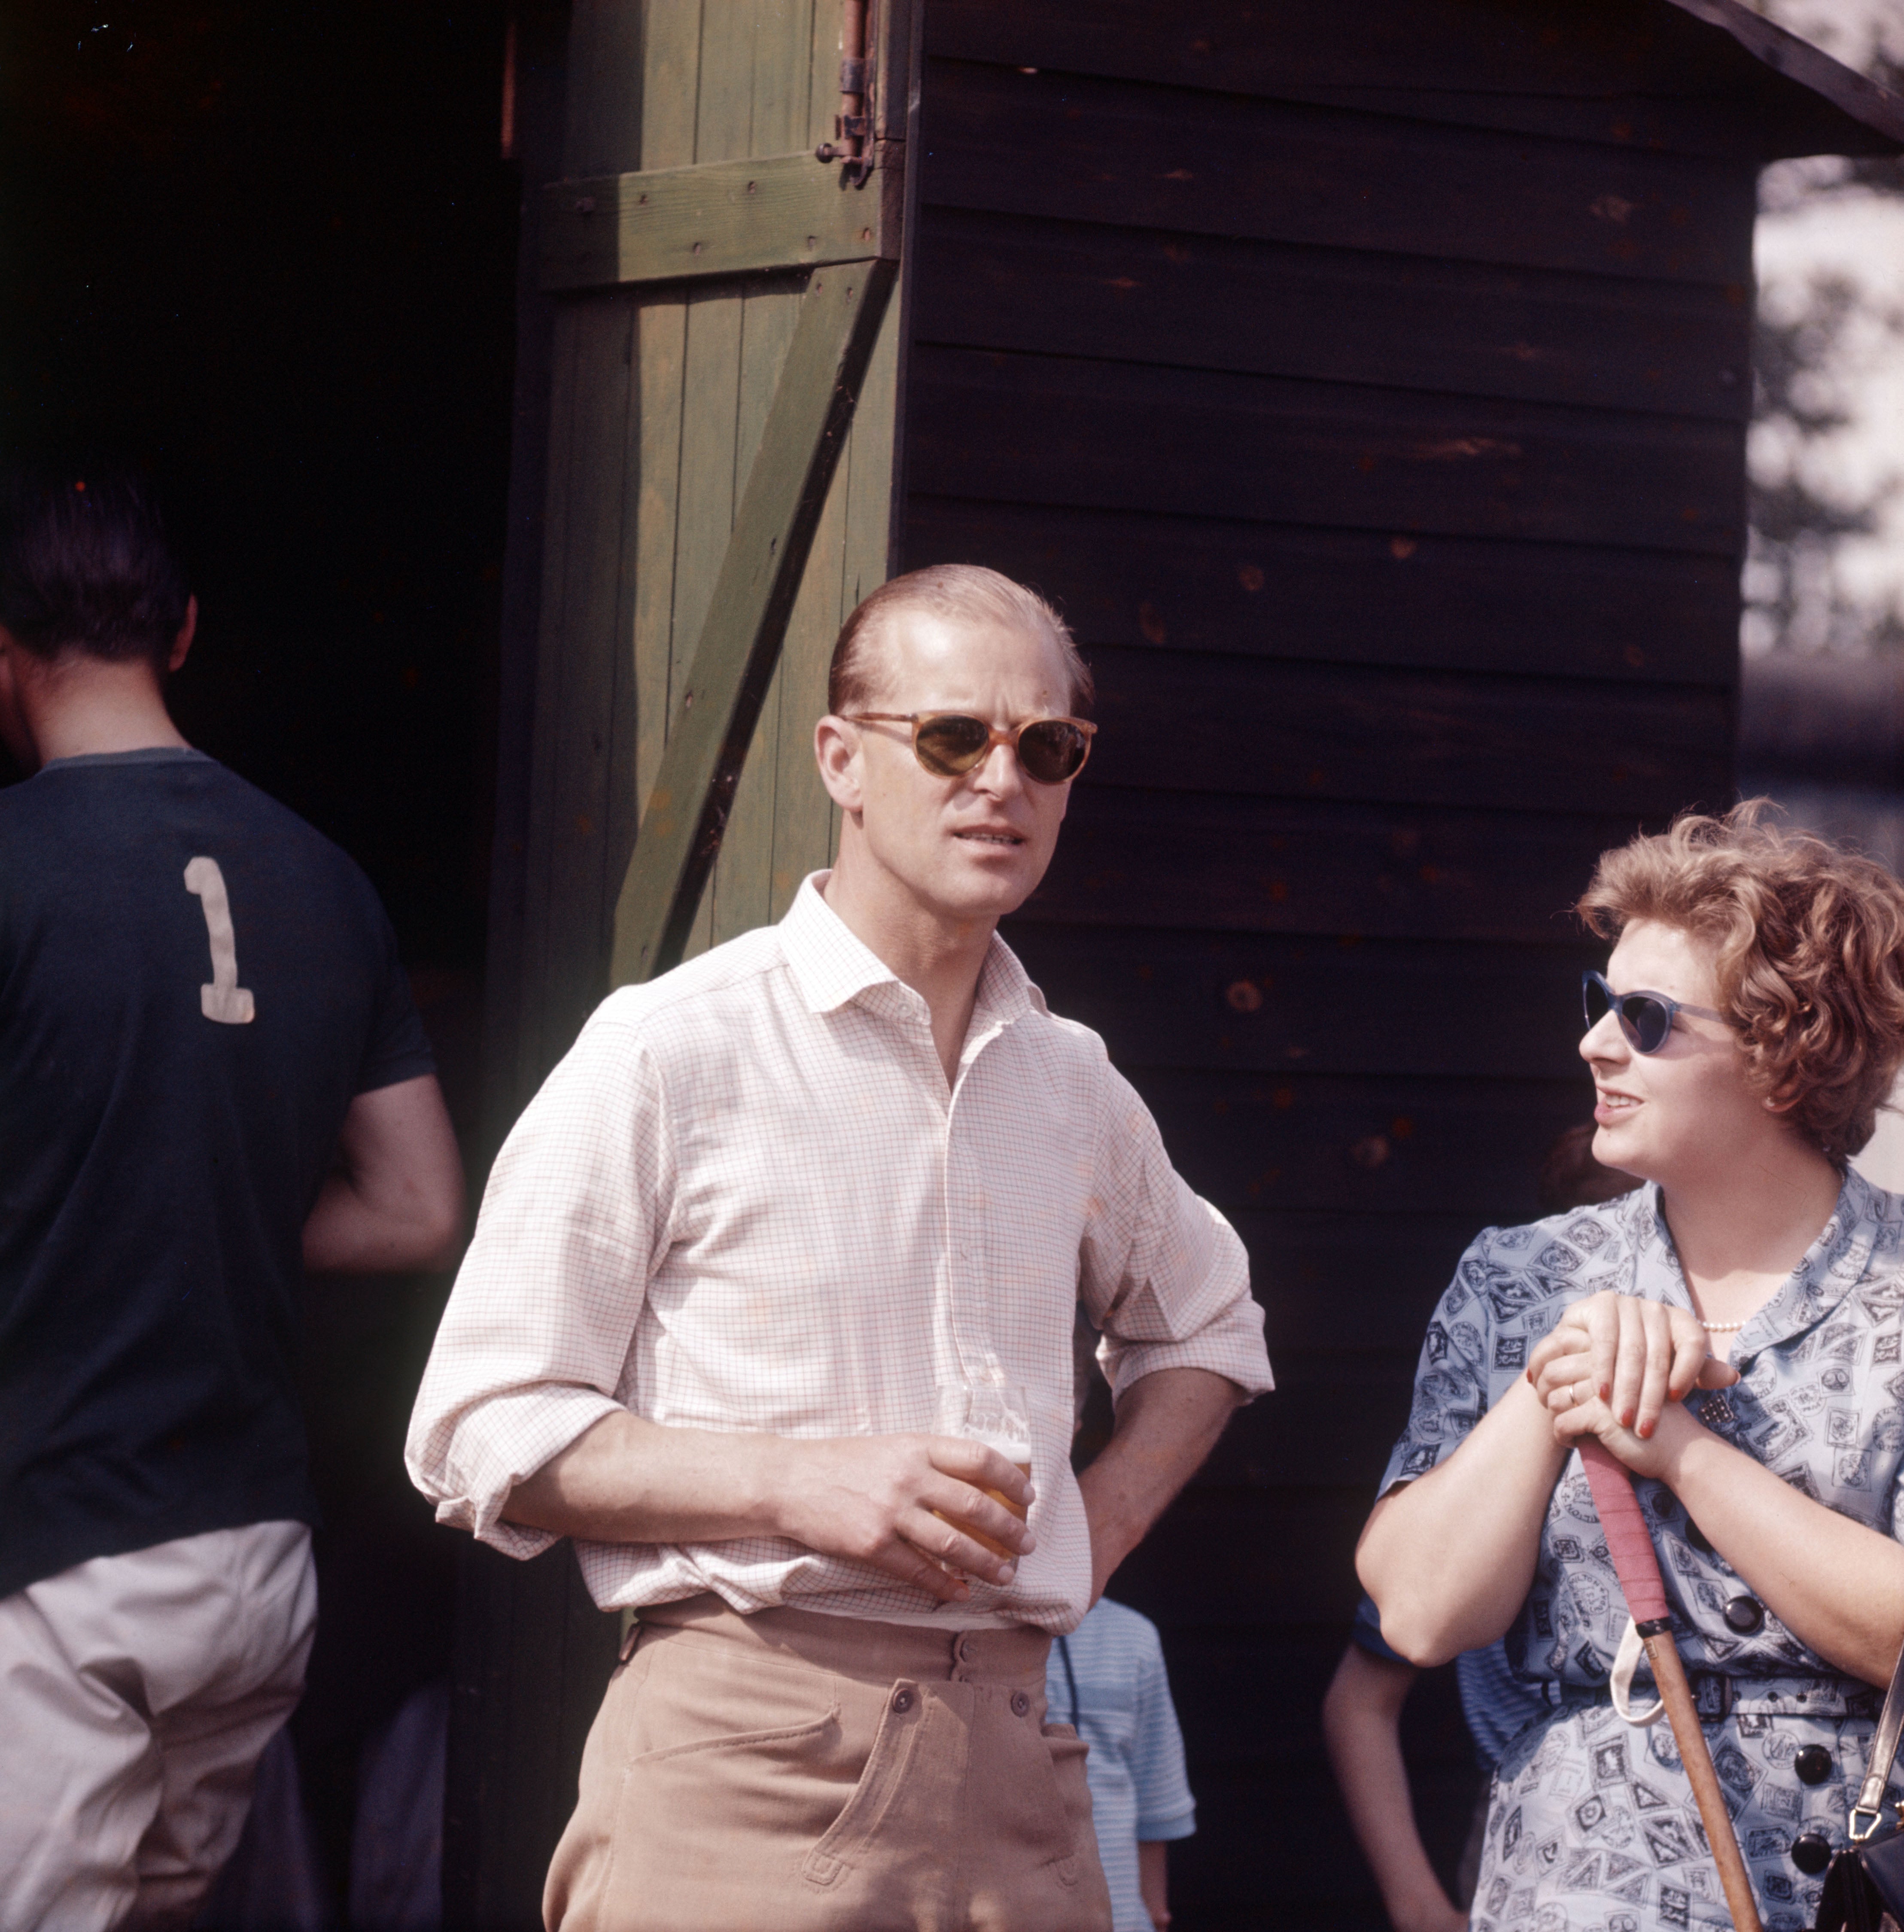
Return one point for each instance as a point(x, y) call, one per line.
point(224, 999)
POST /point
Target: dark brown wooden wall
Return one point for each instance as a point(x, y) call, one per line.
point(1369, 383)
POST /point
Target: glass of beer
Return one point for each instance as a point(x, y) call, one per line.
point(1000, 1417)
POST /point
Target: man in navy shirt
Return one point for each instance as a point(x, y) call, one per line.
point(211, 1078)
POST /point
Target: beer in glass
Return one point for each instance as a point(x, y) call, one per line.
point(999, 1417)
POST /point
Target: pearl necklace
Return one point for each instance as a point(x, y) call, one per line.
point(1721, 1327)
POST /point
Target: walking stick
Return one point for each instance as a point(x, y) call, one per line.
point(1630, 1544)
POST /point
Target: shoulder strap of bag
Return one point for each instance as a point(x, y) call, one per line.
point(1867, 1814)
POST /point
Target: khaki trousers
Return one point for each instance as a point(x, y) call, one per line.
point(789, 1772)
point(137, 1693)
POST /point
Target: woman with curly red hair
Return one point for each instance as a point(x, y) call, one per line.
point(1732, 1333)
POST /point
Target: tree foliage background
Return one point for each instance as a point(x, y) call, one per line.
point(1825, 568)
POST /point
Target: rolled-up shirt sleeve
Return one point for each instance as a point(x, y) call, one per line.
point(1162, 1274)
point(533, 1347)
point(1165, 1809)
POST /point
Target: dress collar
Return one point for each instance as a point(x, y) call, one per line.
point(1860, 1223)
point(832, 966)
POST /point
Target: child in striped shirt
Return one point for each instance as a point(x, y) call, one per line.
point(1107, 1681)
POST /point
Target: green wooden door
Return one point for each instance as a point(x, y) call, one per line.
point(723, 391)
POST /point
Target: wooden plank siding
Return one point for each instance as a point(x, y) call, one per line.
point(1196, 163)
point(1075, 288)
point(1166, 582)
point(1132, 436)
point(1368, 383)
point(1630, 72)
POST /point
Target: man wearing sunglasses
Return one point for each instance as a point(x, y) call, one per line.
point(773, 1211)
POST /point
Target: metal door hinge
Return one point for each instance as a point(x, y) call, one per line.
point(852, 126)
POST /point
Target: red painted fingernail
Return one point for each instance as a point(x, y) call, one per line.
point(1606, 1391)
point(1646, 1433)
point(1627, 1421)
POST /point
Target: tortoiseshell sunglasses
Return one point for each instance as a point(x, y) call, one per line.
point(949, 744)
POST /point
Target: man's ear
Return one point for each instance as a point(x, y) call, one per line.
point(836, 751)
point(182, 643)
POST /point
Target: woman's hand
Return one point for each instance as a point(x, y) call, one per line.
point(1642, 1455)
point(1835, 1584)
point(1613, 1363)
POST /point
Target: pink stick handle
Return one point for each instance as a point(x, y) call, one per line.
point(1630, 1544)
point(1628, 1541)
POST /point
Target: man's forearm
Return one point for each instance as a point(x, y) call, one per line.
point(348, 1231)
point(908, 1505)
point(395, 1200)
point(629, 1481)
point(1166, 1426)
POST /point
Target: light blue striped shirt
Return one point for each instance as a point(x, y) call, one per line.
point(1122, 1709)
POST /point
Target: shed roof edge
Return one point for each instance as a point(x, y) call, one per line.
point(1862, 99)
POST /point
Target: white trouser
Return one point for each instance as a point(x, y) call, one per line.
point(137, 1695)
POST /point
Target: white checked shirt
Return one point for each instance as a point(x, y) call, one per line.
point(745, 1200)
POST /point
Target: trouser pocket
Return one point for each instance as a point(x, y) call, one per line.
point(895, 1780)
point(961, 1787)
point(705, 1764)
point(1027, 1800)
point(1067, 1753)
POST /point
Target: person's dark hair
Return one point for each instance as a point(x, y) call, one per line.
point(1571, 1178)
point(85, 564)
point(965, 591)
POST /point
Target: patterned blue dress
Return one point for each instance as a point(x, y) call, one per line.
point(1592, 1826)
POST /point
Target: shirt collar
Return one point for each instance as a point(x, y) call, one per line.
point(146, 755)
point(831, 966)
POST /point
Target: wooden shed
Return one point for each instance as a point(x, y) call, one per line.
point(1368, 381)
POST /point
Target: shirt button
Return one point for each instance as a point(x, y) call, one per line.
point(1745, 1615)
point(1812, 1764)
point(902, 1701)
point(1021, 1705)
point(1811, 1853)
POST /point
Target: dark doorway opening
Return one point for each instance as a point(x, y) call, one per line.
point(269, 252)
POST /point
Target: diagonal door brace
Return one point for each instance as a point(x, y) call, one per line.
point(746, 623)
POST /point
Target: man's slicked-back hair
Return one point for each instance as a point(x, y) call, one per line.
point(960, 592)
point(85, 564)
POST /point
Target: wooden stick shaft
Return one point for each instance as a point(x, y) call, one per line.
point(1669, 1674)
